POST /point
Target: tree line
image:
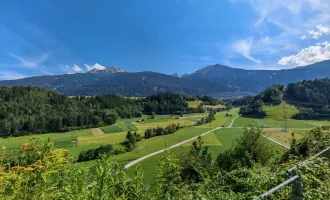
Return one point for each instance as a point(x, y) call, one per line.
point(170, 129)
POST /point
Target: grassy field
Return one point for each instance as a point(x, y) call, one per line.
point(66, 140)
point(60, 140)
point(283, 137)
point(157, 143)
point(218, 141)
point(195, 104)
point(165, 120)
point(277, 111)
point(271, 123)
point(221, 119)
point(112, 129)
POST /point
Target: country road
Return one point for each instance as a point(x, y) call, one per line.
point(176, 145)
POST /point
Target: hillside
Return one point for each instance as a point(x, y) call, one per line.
point(256, 81)
point(127, 84)
point(26, 110)
point(313, 98)
point(310, 97)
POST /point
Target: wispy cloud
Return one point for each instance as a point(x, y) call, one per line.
point(76, 68)
point(29, 63)
point(320, 31)
point(309, 55)
point(9, 75)
point(244, 47)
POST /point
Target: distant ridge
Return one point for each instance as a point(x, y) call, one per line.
point(256, 81)
point(215, 80)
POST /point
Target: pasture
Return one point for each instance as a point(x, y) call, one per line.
point(279, 111)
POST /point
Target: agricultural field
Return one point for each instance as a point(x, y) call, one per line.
point(271, 123)
point(60, 140)
point(217, 141)
point(279, 111)
point(222, 119)
point(79, 140)
point(196, 103)
point(283, 137)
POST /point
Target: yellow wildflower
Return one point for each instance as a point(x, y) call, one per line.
point(28, 169)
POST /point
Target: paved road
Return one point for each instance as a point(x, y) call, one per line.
point(176, 145)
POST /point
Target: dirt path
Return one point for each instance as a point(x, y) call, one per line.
point(176, 145)
point(97, 131)
point(276, 142)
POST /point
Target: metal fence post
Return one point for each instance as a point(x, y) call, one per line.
point(297, 189)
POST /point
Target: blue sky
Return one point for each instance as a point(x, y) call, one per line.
point(39, 37)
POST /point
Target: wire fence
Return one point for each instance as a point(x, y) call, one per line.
point(292, 188)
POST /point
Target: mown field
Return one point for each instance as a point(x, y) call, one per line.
point(279, 111)
point(195, 104)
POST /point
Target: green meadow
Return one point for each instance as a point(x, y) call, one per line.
point(217, 141)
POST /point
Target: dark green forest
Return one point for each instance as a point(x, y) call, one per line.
point(25, 110)
point(312, 98)
point(165, 103)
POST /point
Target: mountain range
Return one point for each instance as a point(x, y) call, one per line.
point(215, 80)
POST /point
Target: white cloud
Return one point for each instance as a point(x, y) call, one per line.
point(309, 55)
point(95, 66)
point(244, 47)
point(76, 68)
point(29, 63)
point(303, 37)
point(9, 75)
point(320, 30)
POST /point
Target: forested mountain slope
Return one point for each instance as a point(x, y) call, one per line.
point(256, 81)
point(214, 80)
point(124, 83)
point(313, 98)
